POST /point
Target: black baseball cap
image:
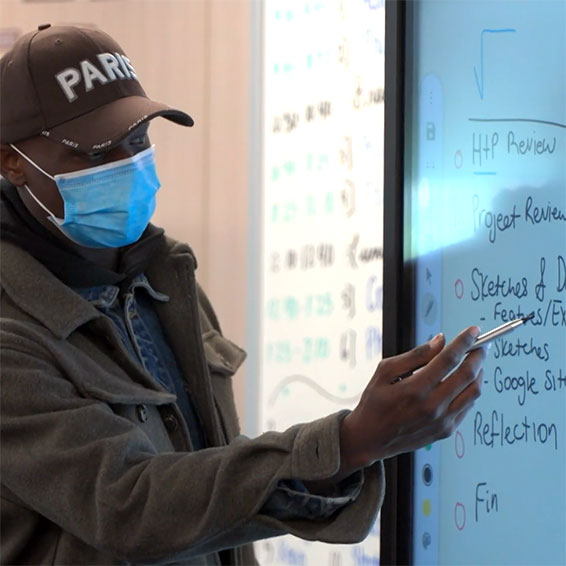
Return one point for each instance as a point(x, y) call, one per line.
point(75, 86)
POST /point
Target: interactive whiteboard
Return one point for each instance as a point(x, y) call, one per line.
point(486, 183)
point(322, 222)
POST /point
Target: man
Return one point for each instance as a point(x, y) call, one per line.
point(120, 440)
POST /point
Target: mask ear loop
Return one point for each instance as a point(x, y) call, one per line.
point(52, 217)
point(31, 162)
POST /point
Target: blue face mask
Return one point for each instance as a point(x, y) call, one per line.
point(108, 206)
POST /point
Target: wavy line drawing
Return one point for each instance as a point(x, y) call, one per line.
point(479, 80)
point(309, 382)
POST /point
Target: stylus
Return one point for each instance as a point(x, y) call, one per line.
point(496, 332)
point(482, 339)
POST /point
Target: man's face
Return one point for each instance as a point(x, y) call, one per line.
point(55, 158)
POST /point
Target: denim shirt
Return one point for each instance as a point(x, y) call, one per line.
point(138, 325)
point(133, 314)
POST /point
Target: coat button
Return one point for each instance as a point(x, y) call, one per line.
point(141, 411)
point(171, 423)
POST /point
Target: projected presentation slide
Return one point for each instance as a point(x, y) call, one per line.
point(486, 157)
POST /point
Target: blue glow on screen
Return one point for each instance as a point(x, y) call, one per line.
point(487, 185)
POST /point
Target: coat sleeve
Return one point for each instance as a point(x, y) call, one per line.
point(77, 462)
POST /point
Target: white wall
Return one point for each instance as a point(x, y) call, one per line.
point(192, 54)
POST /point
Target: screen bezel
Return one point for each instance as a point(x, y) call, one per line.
point(398, 279)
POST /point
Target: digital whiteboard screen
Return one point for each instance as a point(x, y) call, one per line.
point(486, 187)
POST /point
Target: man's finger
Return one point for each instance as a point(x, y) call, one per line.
point(467, 394)
point(465, 375)
point(402, 365)
point(449, 358)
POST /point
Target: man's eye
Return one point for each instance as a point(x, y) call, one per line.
point(96, 156)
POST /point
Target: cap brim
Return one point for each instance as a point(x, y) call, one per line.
point(106, 126)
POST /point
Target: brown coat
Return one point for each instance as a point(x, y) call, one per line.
point(96, 463)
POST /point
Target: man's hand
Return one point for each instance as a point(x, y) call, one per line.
point(392, 418)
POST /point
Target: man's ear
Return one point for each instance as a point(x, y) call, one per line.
point(10, 166)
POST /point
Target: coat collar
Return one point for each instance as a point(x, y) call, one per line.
point(37, 292)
